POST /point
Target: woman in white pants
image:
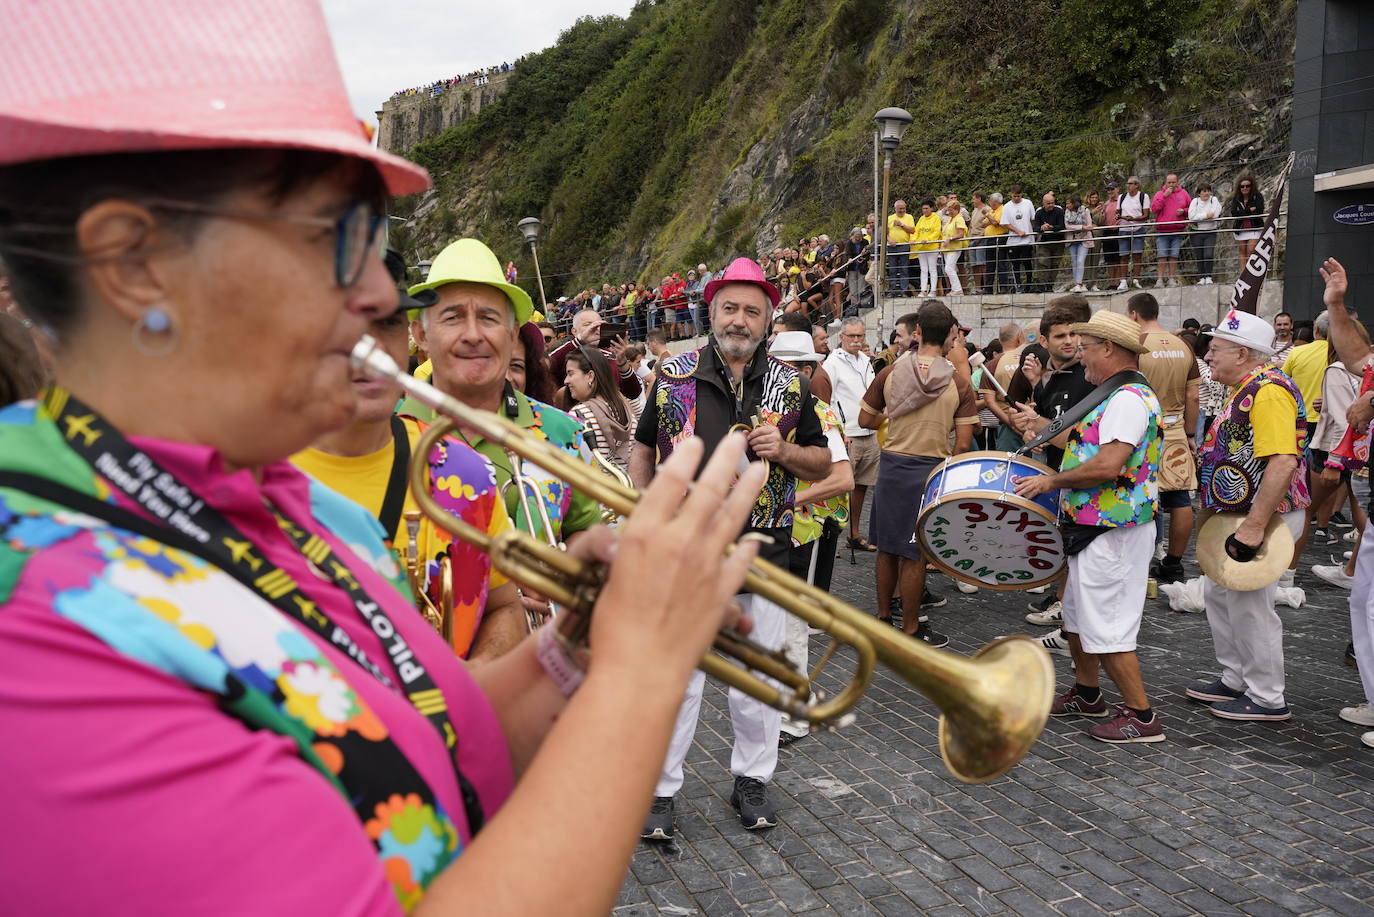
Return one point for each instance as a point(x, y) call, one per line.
point(927, 240)
point(955, 238)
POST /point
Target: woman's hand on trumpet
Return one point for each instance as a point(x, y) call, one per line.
point(670, 586)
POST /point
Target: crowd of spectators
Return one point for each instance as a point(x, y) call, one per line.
point(439, 87)
point(1110, 237)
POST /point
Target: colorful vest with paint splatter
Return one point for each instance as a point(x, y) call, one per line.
point(779, 404)
point(1132, 496)
point(1231, 473)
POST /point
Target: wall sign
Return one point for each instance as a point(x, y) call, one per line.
point(1355, 214)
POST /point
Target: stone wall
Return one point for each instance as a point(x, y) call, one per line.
point(405, 121)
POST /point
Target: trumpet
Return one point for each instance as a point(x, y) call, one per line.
point(531, 501)
point(993, 705)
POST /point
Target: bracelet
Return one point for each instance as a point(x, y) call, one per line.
point(565, 663)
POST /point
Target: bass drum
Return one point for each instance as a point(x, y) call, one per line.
point(975, 528)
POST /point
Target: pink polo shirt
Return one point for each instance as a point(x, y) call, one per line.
point(1170, 211)
point(133, 793)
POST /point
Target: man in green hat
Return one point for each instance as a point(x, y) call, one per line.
point(470, 334)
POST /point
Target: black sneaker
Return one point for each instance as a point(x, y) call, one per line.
point(931, 599)
point(1340, 522)
point(1170, 572)
point(927, 633)
point(1043, 605)
point(1323, 536)
point(750, 799)
point(659, 825)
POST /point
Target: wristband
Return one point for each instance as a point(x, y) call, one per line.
point(565, 664)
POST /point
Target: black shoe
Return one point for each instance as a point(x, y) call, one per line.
point(659, 825)
point(1044, 605)
point(1340, 522)
point(1170, 573)
point(931, 636)
point(1323, 536)
point(931, 599)
point(750, 799)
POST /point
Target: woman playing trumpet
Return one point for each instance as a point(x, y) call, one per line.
point(215, 699)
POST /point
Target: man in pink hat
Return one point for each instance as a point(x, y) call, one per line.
point(731, 383)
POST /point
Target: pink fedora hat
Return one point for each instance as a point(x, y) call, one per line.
point(79, 78)
point(743, 270)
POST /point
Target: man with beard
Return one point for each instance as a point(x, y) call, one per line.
point(708, 392)
point(367, 461)
point(470, 334)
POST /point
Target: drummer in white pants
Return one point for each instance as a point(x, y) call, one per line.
point(1109, 498)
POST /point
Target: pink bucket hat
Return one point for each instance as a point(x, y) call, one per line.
point(743, 270)
point(80, 78)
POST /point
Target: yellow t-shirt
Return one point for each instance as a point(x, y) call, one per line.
point(1306, 365)
point(900, 229)
point(1274, 419)
point(995, 227)
point(425, 371)
point(363, 479)
point(956, 225)
point(927, 234)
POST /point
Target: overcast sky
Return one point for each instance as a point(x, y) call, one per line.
point(386, 45)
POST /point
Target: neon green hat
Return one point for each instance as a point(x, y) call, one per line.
point(470, 261)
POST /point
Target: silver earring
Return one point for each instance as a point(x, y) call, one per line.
point(153, 333)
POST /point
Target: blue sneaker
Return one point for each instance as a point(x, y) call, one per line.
point(1243, 708)
point(1216, 692)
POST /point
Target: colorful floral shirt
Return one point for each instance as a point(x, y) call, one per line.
point(1131, 498)
point(173, 732)
point(808, 519)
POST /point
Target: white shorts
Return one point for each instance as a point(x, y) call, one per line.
point(1104, 598)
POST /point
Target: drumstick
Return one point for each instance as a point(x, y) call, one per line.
point(997, 385)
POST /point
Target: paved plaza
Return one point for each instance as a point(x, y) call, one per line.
point(1222, 818)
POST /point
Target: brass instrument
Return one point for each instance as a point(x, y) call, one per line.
point(440, 617)
point(993, 706)
point(527, 492)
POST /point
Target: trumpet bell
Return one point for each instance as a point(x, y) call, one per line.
point(1004, 710)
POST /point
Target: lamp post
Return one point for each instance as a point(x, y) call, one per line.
point(892, 124)
point(529, 228)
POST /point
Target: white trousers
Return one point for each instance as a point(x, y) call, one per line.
point(930, 270)
point(952, 271)
point(755, 723)
point(1248, 635)
point(1362, 611)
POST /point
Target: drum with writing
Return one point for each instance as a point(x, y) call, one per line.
point(974, 527)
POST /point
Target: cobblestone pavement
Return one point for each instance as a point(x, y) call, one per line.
point(1222, 818)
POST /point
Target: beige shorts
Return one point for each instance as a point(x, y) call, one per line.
point(863, 457)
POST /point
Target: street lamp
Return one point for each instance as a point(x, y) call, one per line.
point(892, 124)
point(529, 228)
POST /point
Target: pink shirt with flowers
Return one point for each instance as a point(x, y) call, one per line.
point(131, 791)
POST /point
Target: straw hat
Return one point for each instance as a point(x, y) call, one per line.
point(142, 76)
point(1275, 553)
point(1109, 326)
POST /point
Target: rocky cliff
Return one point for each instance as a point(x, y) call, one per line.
point(405, 121)
point(696, 129)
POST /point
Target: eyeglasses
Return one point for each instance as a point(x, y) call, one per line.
point(355, 233)
point(853, 337)
point(1084, 345)
point(1245, 184)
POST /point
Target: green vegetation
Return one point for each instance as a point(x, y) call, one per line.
point(692, 129)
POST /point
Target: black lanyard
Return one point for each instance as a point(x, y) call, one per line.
point(188, 523)
point(395, 499)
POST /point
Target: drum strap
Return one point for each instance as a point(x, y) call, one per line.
point(1080, 410)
